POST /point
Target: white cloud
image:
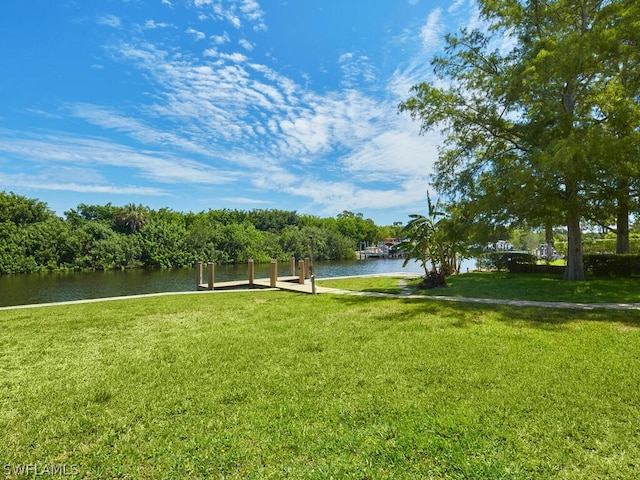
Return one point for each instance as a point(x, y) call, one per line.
point(233, 11)
point(247, 45)
point(355, 69)
point(220, 39)
point(152, 24)
point(455, 6)
point(195, 34)
point(82, 152)
point(394, 155)
point(40, 182)
point(109, 20)
point(234, 57)
point(258, 125)
point(433, 31)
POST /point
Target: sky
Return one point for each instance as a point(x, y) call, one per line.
point(208, 104)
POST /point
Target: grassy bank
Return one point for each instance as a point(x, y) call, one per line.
point(276, 385)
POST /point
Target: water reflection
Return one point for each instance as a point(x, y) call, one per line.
point(64, 286)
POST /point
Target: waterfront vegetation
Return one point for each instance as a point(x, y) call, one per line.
point(108, 237)
point(276, 385)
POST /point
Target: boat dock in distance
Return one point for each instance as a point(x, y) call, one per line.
point(386, 249)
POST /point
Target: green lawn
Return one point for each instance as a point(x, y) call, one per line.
point(378, 284)
point(277, 385)
point(501, 285)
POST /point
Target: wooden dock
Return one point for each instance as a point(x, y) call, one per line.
point(291, 284)
point(301, 283)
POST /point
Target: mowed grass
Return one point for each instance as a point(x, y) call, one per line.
point(551, 288)
point(505, 286)
point(378, 284)
point(283, 385)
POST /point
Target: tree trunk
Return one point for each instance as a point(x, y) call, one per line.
point(574, 269)
point(622, 217)
point(548, 238)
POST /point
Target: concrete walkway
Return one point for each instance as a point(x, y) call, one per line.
point(406, 293)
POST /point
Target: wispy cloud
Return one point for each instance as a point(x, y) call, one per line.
point(356, 69)
point(220, 39)
point(218, 113)
point(432, 32)
point(51, 149)
point(40, 182)
point(263, 120)
point(109, 20)
point(152, 25)
point(247, 45)
point(234, 12)
point(195, 34)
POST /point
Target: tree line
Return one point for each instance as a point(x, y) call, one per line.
point(104, 237)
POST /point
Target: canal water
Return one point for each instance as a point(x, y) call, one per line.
point(65, 286)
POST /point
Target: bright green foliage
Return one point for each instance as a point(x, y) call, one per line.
point(423, 241)
point(103, 237)
point(540, 111)
point(21, 210)
point(32, 238)
point(436, 240)
point(355, 226)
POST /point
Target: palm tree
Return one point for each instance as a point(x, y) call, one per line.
point(423, 240)
point(132, 217)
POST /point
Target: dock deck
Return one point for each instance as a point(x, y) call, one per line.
point(282, 283)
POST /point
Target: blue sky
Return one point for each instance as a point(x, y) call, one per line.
point(198, 104)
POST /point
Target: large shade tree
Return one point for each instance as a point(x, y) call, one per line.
point(527, 105)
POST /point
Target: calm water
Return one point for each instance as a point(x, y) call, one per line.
point(58, 287)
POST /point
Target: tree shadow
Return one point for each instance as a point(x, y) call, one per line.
point(462, 314)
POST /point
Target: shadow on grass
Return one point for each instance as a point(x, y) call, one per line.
point(537, 287)
point(462, 314)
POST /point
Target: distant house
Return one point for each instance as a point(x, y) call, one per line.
point(544, 251)
point(499, 246)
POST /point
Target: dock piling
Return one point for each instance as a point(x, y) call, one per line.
point(211, 274)
point(293, 266)
point(251, 272)
point(274, 273)
point(198, 273)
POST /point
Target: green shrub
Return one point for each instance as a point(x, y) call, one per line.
point(505, 260)
point(612, 265)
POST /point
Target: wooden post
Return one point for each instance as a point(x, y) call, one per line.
point(211, 274)
point(306, 267)
point(251, 272)
point(274, 273)
point(293, 266)
point(198, 274)
point(301, 272)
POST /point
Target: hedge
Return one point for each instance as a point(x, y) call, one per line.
point(612, 265)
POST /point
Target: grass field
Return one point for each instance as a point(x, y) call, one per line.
point(283, 385)
point(501, 285)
